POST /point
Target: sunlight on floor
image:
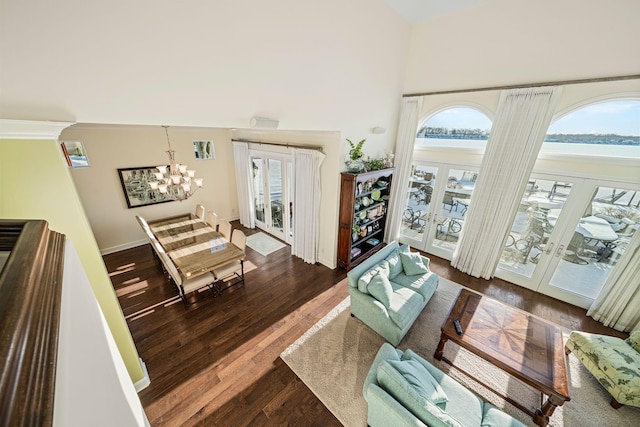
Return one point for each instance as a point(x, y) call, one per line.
point(123, 269)
point(133, 285)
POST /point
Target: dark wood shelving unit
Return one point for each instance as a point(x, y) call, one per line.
point(364, 200)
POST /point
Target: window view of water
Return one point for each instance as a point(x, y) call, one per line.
point(607, 129)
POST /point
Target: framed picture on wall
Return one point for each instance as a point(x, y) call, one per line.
point(135, 185)
point(204, 150)
point(74, 154)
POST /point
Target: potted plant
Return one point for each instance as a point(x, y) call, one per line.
point(355, 164)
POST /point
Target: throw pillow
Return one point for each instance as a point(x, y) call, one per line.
point(395, 265)
point(365, 279)
point(414, 397)
point(380, 288)
point(412, 264)
point(634, 340)
point(421, 379)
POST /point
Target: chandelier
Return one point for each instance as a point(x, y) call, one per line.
point(174, 180)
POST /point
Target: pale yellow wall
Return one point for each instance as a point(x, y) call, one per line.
point(110, 147)
point(35, 184)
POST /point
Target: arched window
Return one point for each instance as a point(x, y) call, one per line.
point(610, 129)
point(462, 127)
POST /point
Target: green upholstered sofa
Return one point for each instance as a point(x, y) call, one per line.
point(403, 389)
point(614, 362)
point(389, 290)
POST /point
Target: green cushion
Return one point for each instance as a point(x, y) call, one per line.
point(365, 279)
point(494, 417)
point(380, 288)
point(405, 306)
point(412, 264)
point(413, 391)
point(421, 380)
point(634, 340)
point(395, 265)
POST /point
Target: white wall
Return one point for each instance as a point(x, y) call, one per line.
point(505, 42)
point(314, 65)
point(92, 385)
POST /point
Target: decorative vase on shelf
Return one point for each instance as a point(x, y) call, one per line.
point(355, 166)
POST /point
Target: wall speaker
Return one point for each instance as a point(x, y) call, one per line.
point(264, 123)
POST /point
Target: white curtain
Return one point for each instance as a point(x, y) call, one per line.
point(618, 303)
point(306, 203)
point(517, 134)
point(243, 184)
point(405, 142)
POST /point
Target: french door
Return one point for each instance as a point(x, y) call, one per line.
point(438, 197)
point(568, 235)
point(273, 202)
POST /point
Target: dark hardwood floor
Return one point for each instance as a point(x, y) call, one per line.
point(217, 361)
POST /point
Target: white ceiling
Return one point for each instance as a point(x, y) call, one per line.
point(416, 11)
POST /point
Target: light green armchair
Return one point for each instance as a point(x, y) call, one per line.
point(613, 361)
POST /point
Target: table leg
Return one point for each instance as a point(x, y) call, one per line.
point(541, 416)
point(438, 353)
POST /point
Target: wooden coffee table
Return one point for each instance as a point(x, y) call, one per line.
point(517, 342)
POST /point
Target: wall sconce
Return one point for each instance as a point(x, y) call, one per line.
point(264, 123)
point(378, 129)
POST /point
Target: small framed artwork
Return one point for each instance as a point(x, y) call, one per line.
point(135, 185)
point(74, 154)
point(204, 150)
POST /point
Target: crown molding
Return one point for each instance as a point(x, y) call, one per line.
point(31, 129)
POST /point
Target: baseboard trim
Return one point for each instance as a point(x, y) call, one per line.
point(107, 251)
point(145, 381)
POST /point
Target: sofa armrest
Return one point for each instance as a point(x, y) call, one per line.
point(386, 352)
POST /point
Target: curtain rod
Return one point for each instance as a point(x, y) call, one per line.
point(522, 86)
point(281, 144)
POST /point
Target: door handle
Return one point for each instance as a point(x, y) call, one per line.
point(549, 249)
point(560, 250)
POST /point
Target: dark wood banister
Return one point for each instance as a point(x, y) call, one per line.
point(30, 298)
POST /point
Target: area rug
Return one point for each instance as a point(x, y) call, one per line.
point(334, 356)
point(263, 243)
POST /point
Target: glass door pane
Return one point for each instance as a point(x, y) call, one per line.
point(275, 197)
point(451, 207)
point(529, 238)
point(258, 190)
point(595, 245)
point(416, 217)
point(289, 192)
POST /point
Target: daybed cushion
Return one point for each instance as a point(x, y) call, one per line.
point(634, 340)
point(380, 288)
point(413, 387)
point(412, 263)
point(613, 362)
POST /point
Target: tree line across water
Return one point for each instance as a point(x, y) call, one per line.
point(576, 138)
